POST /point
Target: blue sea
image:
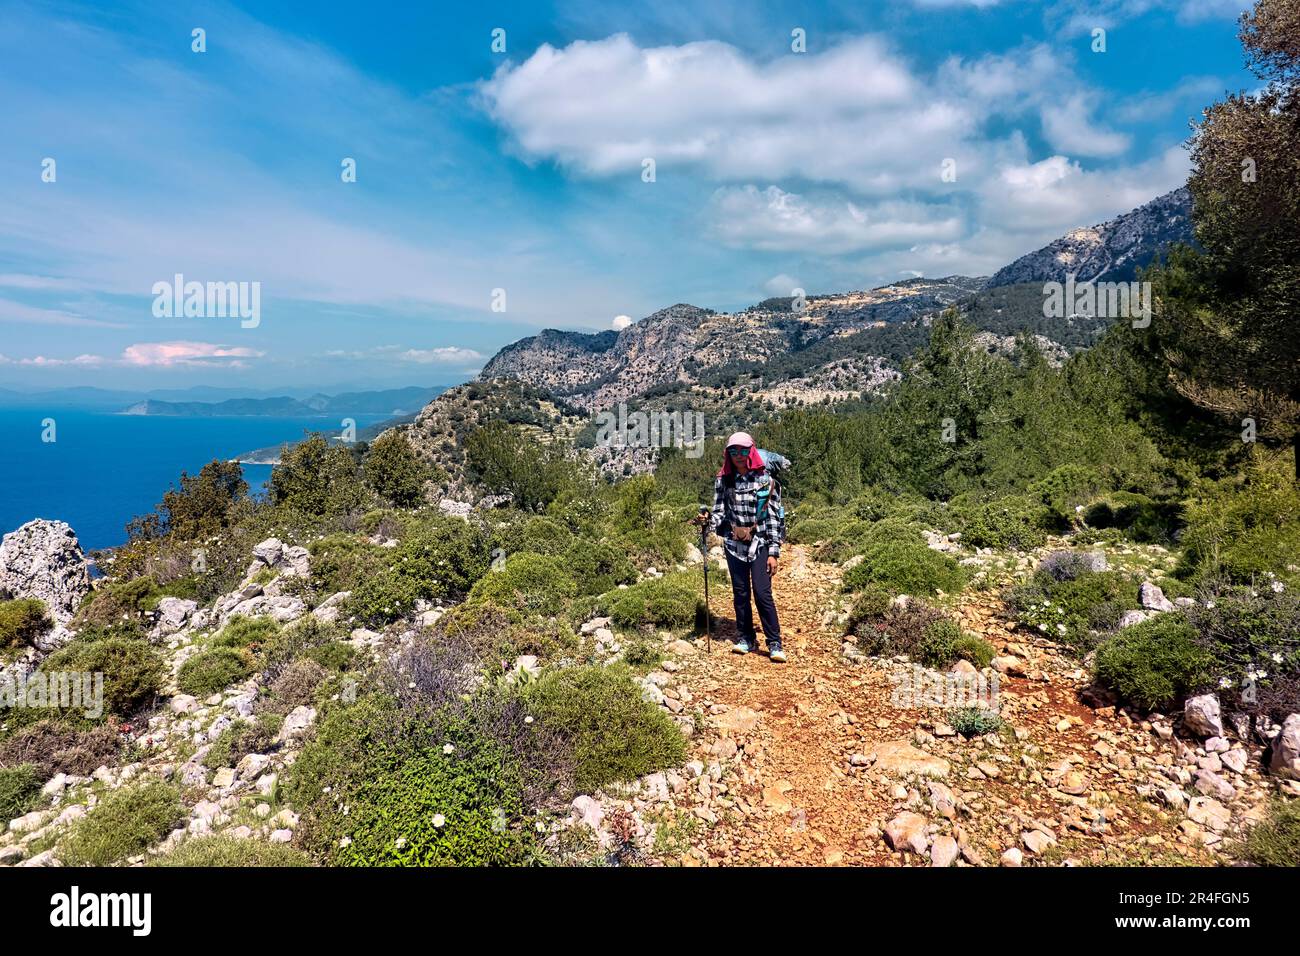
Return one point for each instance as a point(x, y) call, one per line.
point(104, 469)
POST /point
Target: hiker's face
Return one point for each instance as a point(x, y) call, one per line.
point(739, 458)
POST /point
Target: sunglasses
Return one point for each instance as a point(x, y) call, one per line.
point(738, 452)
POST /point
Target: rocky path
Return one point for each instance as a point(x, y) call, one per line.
point(821, 762)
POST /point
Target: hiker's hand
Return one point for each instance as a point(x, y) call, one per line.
point(771, 567)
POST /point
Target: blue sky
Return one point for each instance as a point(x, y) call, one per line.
point(522, 171)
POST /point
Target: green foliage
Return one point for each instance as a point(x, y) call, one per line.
point(317, 478)
point(671, 601)
point(616, 733)
point(526, 582)
point(975, 721)
point(1245, 527)
point(1252, 637)
point(241, 738)
point(1274, 840)
point(1067, 488)
point(133, 671)
point(441, 560)
point(1069, 610)
point(598, 565)
point(251, 632)
point(341, 562)
point(20, 790)
point(23, 622)
point(408, 791)
point(906, 567)
point(119, 607)
point(392, 468)
point(943, 643)
point(874, 602)
point(213, 670)
point(226, 851)
point(201, 507)
point(125, 822)
point(1014, 522)
point(1154, 664)
point(506, 459)
point(54, 746)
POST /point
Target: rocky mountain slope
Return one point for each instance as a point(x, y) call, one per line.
point(1110, 251)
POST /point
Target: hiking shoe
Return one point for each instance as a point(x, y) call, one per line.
point(742, 646)
point(775, 653)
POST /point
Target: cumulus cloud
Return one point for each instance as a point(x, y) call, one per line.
point(446, 355)
point(169, 354)
point(781, 285)
point(775, 220)
point(621, 322)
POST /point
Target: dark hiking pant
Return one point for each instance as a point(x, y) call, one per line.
point(751, 577)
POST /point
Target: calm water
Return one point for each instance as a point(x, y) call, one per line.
point(102, 470)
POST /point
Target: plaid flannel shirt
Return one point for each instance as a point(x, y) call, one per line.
point(737, 503)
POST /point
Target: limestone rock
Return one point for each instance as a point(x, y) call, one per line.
point(44, 561)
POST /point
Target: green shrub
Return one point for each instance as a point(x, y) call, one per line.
point(1249, 632)
point(251, 632)
point(615, 732)
point(23, 623)
point(1245, 528)
point(1067, 488)
point(341, 562)
point(407, 792)
point(943, 643)
point(975, 721)
point(874, 602)
point(1074, 611)
point(1155, 664)
point(133, 671)
point(118, 608)
point(321, 641)
point(213, 670)
point(439, 561)
point(317, 478)
point(1010, 523)
point(392, 468)
point(210, 851)
point(901, 629)
point(1274, 840)
point(241, 738)
point(669, 602)
point(598, 566)
point(20, 790)
point(907, 568)
point(642, 654)
point(124, 823)
point(526, 582)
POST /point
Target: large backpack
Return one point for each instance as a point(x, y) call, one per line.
point(774, 464)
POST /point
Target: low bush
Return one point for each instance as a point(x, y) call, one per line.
point(943, 643)
point(900, 629)
point(1274, 840)
point(1076, 611)
point(1155, 664)
point(526, 582)
point(668, 602)
point(906, 567)
point(441, 560)
point(1013, 522)
point(20, 790)
point(23, 623)
point(975, 721)
point(241, 738)
point(54, 747)
point(133, 671)
point(213, 670)
point(1253, 636)
point(250, 632)
point(228, 851)
point(124, 823)
point(615, 732)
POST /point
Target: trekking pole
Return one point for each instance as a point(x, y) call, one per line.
point(704, 555)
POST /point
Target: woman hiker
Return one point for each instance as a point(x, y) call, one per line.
point(746, 513)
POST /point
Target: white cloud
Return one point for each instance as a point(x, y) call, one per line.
point(1068, 126)
point(11, 311)
point(169, 354)
point(621, 322)
point(774, 220)
point(446, 354)
point(780, 286)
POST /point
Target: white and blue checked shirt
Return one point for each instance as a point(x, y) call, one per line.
point(737, 503)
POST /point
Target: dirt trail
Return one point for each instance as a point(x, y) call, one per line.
point(815, 711)
point(792, 776)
